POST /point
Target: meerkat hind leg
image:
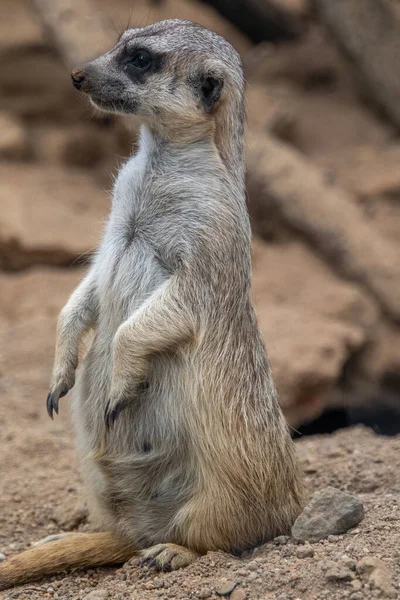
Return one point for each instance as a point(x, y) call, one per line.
point(168, 557)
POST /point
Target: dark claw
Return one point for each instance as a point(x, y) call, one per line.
point(52, 404)
point(53, 399)
point(49, 404)
point(150, 561)
point(110, 416)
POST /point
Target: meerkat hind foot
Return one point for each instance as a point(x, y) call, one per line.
point(168, 557)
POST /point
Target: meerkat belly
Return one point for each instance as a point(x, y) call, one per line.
point(146, 471)
point(134, 480)
point(144, 475)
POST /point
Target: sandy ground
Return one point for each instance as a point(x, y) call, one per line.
point(41, 492)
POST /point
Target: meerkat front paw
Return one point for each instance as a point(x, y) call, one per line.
point(120, 397)
point(127, 381)
point(62, 382)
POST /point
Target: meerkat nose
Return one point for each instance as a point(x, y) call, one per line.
point(78, 79)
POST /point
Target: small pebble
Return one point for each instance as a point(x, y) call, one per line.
point(304, 552)
point(242, 572)
point(204, 593)
point(356, 585)
point(226, 588)
point(338, 573)
point(281, 540)
point(2, 557)
point(158, 582)
point(98, 594)
point(238, 594)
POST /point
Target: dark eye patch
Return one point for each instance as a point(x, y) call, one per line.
point(138, 63)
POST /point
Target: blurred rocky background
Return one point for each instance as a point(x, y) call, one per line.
point(323, 189)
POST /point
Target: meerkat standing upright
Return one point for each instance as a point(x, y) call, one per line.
point(183, 444)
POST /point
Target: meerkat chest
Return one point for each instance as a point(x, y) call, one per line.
point(138, 252)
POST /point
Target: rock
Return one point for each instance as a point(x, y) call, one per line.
point(367, 170)
point(377, 574)
point(70, 516)
point(76, 146)
point(310, 330)
point(14, 142)
point(18, 29)
point(158, 583)
point(283, 183)
point(356, 585)
point(98, 594)
point(49, 215)
point(382, 355)
point(238, 594)
point(304, 551)
point(2, 557)
point(204, 593)
point(339, 573)
point(281, 540)
point(329, 512)
point(226, 588)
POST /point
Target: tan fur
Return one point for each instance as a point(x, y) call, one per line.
point(200, 457)
point(79, 550)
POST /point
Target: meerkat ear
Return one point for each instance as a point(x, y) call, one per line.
point(211, 88)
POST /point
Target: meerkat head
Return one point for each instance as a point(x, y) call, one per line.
point(169, 72)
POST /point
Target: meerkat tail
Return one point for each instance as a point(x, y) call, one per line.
point(80, 550)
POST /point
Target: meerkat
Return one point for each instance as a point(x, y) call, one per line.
point(182, 441)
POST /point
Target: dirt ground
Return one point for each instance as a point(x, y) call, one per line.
point(41, 495)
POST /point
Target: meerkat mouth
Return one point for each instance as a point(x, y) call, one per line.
point(116, 105)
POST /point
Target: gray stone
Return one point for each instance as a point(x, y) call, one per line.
point(339, 573)
point(98, 594)
point(226, 588)
point(304, 552)
point(329, 512)
point(281, 540)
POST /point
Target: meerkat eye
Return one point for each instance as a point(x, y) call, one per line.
point(141, 59)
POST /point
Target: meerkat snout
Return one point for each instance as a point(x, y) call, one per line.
point(78, 79)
